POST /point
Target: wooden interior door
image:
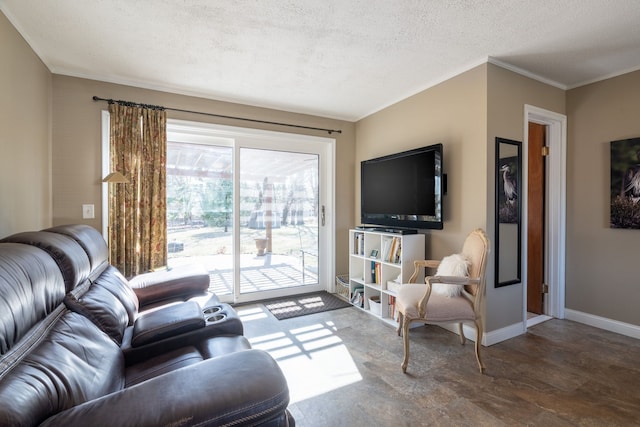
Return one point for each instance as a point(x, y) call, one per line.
point(536, 218)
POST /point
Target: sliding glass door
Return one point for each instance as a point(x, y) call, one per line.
point(200, 209)
point(251, 207)
point(279, 227)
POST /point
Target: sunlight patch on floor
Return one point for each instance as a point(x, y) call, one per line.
point(295, 305)
point(313, 358)
point(247, 315)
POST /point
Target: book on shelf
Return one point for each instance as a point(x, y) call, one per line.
point(357, 298)
point(392, 250)
point(375, 272)
point(392, 307)
point(358, 243)
point(386, 249)
point(397, 258)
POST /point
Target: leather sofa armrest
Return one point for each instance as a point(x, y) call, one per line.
point(240, 388)
point(178, 283)
point(166, 322)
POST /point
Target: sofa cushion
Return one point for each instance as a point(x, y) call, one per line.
point(103, 309)
point(31, 287)
point(245, 388)
point(161, 364)
point(113, 281)
point(90, 240)
point(71, 259)
point(71, 363)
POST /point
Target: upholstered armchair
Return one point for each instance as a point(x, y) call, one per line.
point(417, 303)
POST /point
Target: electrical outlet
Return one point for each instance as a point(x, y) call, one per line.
point(88, 212)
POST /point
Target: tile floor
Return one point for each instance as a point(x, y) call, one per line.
point(343, 369)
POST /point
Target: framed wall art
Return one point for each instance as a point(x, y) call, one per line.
point(508, 212)
point(625, 184)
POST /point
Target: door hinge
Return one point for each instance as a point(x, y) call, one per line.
point(545, 288)
point(545, 151)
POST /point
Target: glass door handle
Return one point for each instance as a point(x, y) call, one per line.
point(322, 215)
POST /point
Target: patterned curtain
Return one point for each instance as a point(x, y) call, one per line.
point(137, 210)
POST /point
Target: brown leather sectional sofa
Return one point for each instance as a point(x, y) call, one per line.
point(82, 345)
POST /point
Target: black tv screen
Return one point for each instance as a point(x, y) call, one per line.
point(403, 190)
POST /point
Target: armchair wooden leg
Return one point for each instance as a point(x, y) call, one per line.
point(400, 318)
point(478, 345)
point(405, 342)
point(463, 339)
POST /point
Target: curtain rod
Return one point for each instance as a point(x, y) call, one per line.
point(158, 107)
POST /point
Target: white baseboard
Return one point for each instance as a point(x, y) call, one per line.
point(622, 328)
point(533, 321)
point(512, 331)
point(503, 334)
point(488, 338)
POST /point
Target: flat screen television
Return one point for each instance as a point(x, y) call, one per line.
point(403, 190)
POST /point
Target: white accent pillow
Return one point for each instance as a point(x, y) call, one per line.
point(452, 265)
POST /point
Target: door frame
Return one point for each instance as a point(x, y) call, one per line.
point(555, 215)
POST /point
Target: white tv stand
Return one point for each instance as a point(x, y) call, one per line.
point(379, 261)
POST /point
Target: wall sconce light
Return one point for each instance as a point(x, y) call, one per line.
point(115, 178)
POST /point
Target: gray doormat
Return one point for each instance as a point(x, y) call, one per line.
point(301, 305)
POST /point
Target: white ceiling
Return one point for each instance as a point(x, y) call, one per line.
point(343, 59)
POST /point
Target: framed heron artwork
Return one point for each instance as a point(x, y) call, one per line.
point(625, 184)
point(508, 238)
point(508, 182)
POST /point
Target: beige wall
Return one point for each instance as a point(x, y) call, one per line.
point(25, 143)
point(452, 113)
point(602, 278)
point(77, 145)
point(508, 94)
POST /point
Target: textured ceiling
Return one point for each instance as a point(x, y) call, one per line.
point(335, 58)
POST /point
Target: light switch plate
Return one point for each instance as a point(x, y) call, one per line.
point(88, 212)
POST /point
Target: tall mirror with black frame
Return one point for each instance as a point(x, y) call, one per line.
point(508, 212)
